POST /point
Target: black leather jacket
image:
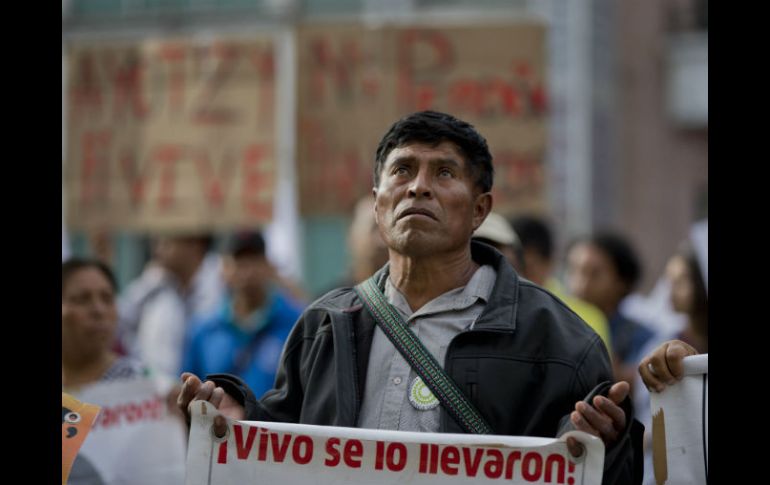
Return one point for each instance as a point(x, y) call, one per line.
point(525, 364)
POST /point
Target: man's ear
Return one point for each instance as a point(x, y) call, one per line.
point(481, 208)
point(374, 208)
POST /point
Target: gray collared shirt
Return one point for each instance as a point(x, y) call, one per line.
point(389, 377)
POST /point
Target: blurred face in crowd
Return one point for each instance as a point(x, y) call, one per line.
point(592, 276)
point(682, 287)
point(537, 267)
point(88, 314)
point(247, 275)
point(178, 254)
point(373, 250)
point(427, 201)
point(368, 250)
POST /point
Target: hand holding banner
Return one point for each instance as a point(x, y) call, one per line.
point(680, 426)
point(260, 452)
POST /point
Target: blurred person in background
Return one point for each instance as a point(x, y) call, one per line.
point(182, 282)
point(247, 333)
point(538, 252)
point(603, 269)
point(496, 232)
point(656, 309)
point(661, 364)
point(368, 251)
point(689, 297)
point(89, 324)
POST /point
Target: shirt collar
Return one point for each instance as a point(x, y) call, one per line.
point(479, 287)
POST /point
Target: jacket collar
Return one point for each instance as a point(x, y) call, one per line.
point(501, 309)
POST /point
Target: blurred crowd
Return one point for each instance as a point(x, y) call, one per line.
point(196, 309)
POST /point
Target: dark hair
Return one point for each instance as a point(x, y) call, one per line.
point(534, 233)
point(432, 127)
point(205, 240)
point(620, 252)
point(246, 242)
point(73, 265)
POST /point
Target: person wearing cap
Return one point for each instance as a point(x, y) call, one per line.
point(521, 358)
point(246, 336)
point(496, 232)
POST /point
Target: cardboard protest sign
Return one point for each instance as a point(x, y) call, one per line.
point(354, 81)
point(259, 452)
point(77, 418)
point(171, 134)
point(134, 440)
point(680, 427)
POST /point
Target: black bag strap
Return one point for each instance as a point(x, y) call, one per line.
point(421, 360)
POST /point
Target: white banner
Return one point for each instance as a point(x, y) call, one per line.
point(255, 452)
point(134, 439)
point(680, 427)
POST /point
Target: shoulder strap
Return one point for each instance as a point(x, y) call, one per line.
point(420, 359)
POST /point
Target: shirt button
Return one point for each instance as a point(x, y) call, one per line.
point(396, 380)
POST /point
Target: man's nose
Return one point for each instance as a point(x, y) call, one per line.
point(420, 186)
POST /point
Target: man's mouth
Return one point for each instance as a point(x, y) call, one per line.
point(417, 211)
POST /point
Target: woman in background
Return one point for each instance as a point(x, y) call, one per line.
point(89, 321)
point(689, 296)
point(89, 324)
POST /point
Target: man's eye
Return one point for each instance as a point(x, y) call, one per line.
point(445, 172)
point(400, 170)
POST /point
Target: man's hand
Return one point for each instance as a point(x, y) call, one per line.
point(193, 389)
point(171, 402)
point(606, 419)
point(664, 364)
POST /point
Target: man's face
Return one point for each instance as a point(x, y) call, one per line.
point(247, 274)
point(88, 313)
point(592, 276)
point(427, 201)
point(177, 254)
